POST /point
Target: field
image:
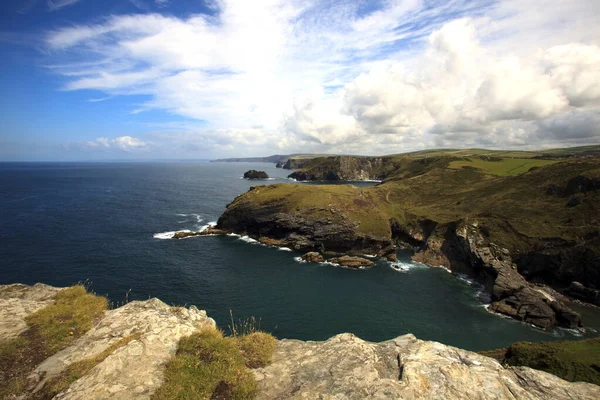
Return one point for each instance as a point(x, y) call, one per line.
point(504, 167)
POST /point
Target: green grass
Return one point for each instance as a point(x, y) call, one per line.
point(209, 365)
point(506, 167)
point(51, 329)
point(577, 360)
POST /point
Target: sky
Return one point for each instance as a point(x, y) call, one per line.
point(200, 79)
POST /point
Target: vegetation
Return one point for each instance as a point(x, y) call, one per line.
point(572, 360)
point(51, 329)
point(500, 166)
point(210, 365)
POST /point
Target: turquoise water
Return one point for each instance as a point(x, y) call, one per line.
point(103, 223)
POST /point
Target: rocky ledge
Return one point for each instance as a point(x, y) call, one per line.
point(343, 367)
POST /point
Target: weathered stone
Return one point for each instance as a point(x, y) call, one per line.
point(346, 367)
point(134, 371)
point(313, 257)
point(18, 301)
point(352, 262)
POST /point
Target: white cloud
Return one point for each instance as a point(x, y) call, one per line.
point(54, 5)
point(124, 143)
point(330, 76)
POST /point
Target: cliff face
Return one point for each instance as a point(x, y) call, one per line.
point(343, 367)
point(343, 168)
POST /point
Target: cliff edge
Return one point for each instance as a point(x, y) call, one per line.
point(343, 367)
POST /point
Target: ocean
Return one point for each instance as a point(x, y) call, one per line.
point(107, 224)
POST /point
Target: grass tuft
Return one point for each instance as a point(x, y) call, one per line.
point(207, 365)
point(257, 349)
point(51, 329)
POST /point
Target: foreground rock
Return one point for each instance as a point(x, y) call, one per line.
point(346, 367)
point(254, 174)
point(18, 301)
point(343, 367)
point(352, 262)
point(133, 371)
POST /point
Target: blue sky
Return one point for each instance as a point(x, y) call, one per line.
point(148, 79)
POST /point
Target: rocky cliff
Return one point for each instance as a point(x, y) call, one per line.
point(521, 236)
point(343, 367)
point(344, 168)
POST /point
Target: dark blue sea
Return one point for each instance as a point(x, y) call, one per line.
point(105, 224)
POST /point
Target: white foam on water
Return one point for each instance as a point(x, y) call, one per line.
point(284, 249)
point(182, 215)
point(248, 239)
point(292, 179)
point(300, 260)
point(405, 266)
point(167, 235)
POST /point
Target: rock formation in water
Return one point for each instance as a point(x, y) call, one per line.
point(254, 174)
point(343, 367)
point(513, 234)
point(279, 165)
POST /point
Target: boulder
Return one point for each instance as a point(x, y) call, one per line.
point(346, 367)
point(352, 262)
point(313, 257)
point(254, 174)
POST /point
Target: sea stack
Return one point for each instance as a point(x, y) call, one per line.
point(253, 174)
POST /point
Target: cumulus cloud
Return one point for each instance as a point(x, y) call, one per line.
point(353, 76)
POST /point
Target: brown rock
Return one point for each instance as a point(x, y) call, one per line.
point(352, 262)
point(270, 242)
point(392, 257)
point(313, 257)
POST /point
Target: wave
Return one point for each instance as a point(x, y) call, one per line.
point(401, 266)
point(167, 235)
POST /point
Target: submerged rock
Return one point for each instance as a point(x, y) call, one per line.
point(352, 262)
point(254, 174)
point(206, 232)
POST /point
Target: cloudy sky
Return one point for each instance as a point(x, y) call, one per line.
point(146, 79)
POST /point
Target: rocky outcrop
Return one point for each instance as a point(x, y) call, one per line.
point(18, 301)
point(352, 262)
point(206, 232)
point(464, 249)
point(133, 371)
point(344, 168)
point(343, 367)
point(346, 367)
point(254, 174)
point(313, 257)
point(296, 163)
point(279, 165)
